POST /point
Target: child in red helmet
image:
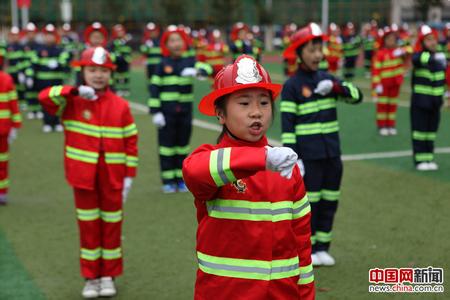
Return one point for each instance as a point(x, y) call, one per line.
point(100, 162)
point(170, 104)
point(253, 238)
point(388, 72)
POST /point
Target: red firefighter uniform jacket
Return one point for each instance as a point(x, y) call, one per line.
point(387, 69)
point(94, 128)
point(253, 238)
point(9, 109)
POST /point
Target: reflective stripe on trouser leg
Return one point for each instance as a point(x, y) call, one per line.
point(382, 112)
point(168, 159)
point(88, 216)
point(184, 125)
point(349, 67)
point(424, 127)
point(111, 216)
point(4, 157)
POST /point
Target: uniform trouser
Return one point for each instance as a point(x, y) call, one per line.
point(424, 126)
point(368, 59)
point(122, 80)
point(322, 181)
point(99, 214)
point(174, 145)
point(150, 71)
point(4, 157)
point(349, 66)
point(387, 106)
point(50, 119)
point(32, 100)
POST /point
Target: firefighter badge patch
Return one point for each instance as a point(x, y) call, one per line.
point(87, 115)
point(306, 91)
point(168, 69)
point(240, 186)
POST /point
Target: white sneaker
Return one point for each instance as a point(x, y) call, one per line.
point(39, 115)
point(46, 128)
point(59, 128)
point(392, 131)
point(325, 258)
point(91, 289)
point(423, 166)
point(315, 260)
point(383, 131)
point(30, 115)
point(432, 166)
point(107, 287)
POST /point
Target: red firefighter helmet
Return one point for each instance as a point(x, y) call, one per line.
point(66, 27)
point(301, 37)
point(96, 26)
point(244, 73)
point(424, 30)
point(117, 30)
point(385, 32)
point(30, 27)
point(95, 56)
point(51, 29)
point(171, 30)
point(234, 35)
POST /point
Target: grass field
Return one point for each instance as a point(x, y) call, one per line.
point(389, 215)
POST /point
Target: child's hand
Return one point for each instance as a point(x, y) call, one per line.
point(398, 52)
point(379, 89)
point(281, 159)
point(127, 182)
point(324, 87)
point(87, 92)
point(189, 72)
point(440, 58)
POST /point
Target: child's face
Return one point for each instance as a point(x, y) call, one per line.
point(96, 39)
point(97, 77)
point(49, 39)
point(175, 44)
point(248, 113)
point(430, 42)
point(390, 41)
point(312, 55)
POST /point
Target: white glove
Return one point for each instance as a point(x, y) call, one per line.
point(281, 159)
point(301, 167)
point(379, 89)
point(440, 58)
point(398, 52)
point(324, 87)
point(21, 77)
point(159, 120)
point(52, 64)
point(87, 92)
point(127, 182)
point(29, 82)
point(189, 72)
point(12, 135)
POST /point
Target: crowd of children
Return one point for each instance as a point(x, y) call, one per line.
point(279, 223)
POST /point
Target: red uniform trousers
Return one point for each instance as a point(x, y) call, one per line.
point(4, 157)
point(99, 214)
point(387, 106)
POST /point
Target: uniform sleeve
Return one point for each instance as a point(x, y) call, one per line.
point(302, 229)
point(33, 65)
point(131, 140)
point(376, 66)
point(347, 92)
point(16, 118)
point(207, 169)
point(203, 68)
point(154, 103)
point(288, 109)
point(53, 99)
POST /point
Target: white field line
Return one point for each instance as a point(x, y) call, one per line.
point(346, 157)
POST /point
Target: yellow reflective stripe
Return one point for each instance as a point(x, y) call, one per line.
point(55, 95)
point(16, 118)
point(81, 155)
point(132, 161)
point(4, 156)
point(115, 157)
point(219, 166)
point(176, 96)
point(391, 73)
point(183, 150)
point(425, 58)
point(5, 113)
point(167, 151)
point(8, 96)
point(91, 254)
point(317, 128)
point(109, 254)
point(154, 102)
point(391, 63)
point(171, 80)
point(423, 156)
point(323, 237)
point(314, 196)
point(429, 90)
point(316, 106)
point(4, 183)
point(383, 100)
point(424, 135)
point(111, 216)
point(330, 195)
point(288, 138)
point(88, 214)
point(301, 208)
point(168, 174)
point(288, 106)
point(248, 268)
point(99, 131)
point(306, 274)
point(432, 76)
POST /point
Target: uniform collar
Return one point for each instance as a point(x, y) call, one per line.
point(228, 141)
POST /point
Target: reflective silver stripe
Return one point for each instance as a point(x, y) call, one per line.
point(220, 169)
point(254, 211)
point(299, 209)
